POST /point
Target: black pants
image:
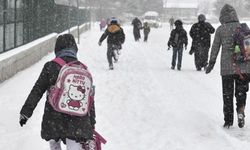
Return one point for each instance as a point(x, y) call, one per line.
point(233, 84)
point(201, 57)
point(145, 37)
point(111, 52)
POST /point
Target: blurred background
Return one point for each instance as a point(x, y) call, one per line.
point(22, 21)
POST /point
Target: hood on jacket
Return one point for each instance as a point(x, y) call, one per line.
point(201, 18)
point(178, 23)
point(65, 41)
point(228, 14)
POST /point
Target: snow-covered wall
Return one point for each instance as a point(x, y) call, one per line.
point(22, 57)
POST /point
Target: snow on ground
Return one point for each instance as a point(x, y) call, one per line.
point(141, 104)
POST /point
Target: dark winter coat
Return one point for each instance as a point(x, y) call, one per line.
point(200, 33)
point(115, 35)
point(178, 37)
point(137, 25)
point(224, 37)
point(146, 29)
point(56, 125)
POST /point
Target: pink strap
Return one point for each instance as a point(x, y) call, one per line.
point(99, 137)
point(99, 140)
point(59, 61)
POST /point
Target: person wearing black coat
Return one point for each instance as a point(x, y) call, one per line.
point(177, 39)
point(137, 25)
point(201, 34)
point(116, 38)
point(58, 126)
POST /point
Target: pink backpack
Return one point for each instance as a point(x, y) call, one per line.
point(73, 91)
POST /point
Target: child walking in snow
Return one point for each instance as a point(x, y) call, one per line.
point(232, 84)
point(178, 39)
point(57, 126)
point(116, 38)
point(146, 30)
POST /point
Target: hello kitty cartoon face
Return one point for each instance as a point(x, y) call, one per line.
point(76, 92)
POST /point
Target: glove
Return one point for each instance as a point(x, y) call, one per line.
point(23, 119)
point(210, 67)
point(99, 43)
point(190, 52)
point(185, 47)
point(90, 145)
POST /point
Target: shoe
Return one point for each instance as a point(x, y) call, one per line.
point(241, 117)
point(241, 120)
point(227, 124)
point(198, 69)
point(172, 67)
point(179, 68)
point(111, 67)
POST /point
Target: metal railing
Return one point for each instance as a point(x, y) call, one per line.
point(22, 21)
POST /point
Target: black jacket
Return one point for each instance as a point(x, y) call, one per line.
point(201, 34)
point(56, 125)
point(178, 37)
point(115, 35)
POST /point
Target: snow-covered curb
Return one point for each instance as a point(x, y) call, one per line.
point(22, 57)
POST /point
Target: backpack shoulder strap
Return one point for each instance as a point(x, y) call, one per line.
point(80, 63)
point(59, 61)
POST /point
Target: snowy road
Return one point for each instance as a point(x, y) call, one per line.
point(141, 104)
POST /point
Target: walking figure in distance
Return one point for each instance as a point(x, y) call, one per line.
point(116, 38)
point(177, 39)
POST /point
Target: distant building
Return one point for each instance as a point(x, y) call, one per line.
point(181, 10)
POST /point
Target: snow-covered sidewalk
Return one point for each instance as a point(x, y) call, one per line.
point(141, 104)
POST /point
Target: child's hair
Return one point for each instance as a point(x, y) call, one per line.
point(65, 41)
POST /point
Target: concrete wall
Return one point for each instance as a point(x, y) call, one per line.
point(30, 53)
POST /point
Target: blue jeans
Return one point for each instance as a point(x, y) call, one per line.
point(177, 51)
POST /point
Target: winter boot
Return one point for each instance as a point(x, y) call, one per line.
point(227, 124)
point(111, 67)
point(241, 117)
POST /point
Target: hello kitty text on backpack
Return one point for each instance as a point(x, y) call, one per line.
point(73, 91)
